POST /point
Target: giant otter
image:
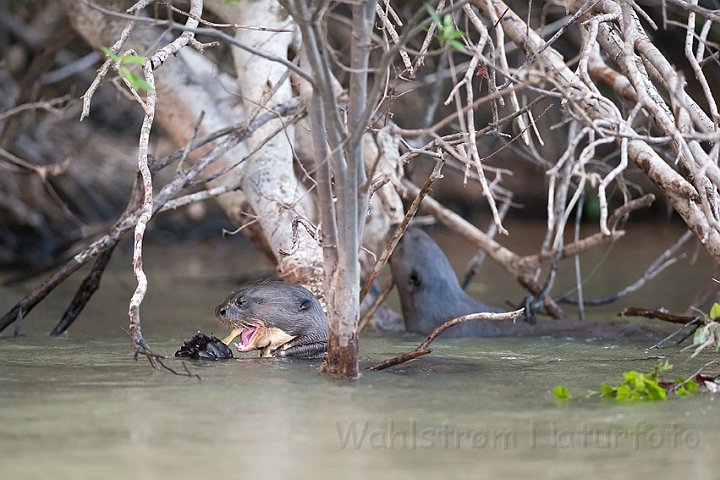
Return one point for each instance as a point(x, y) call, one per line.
point(281, 319)
point(429, 291)
point(430, 296)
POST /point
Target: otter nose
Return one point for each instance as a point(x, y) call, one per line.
point(220, 311)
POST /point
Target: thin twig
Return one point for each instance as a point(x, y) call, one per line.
point(395, 238)
point(379, 299)
point(423, 348)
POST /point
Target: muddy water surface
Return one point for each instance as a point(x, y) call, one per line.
point(78, 407)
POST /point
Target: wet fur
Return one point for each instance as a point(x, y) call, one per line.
point(279, 305)
point(430, 296)
point(429, 291)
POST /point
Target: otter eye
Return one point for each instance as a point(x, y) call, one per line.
point(304, 305)
point(414, 278)
point(240, 302)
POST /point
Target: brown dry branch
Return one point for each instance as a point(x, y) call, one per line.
point(521, 268)
point(661, 263)
point(88, 286)
point(377, 302)
point(400, 230)
point(222, 25)
point(102, 72)
point(48, 105)
point(390, 29)
point(424, 347)
point(648, 113)
point(659, 313)
point(153, 62)
point(131, 215)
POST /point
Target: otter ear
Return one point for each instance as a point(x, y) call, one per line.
point(304, 305)
point(414, 278)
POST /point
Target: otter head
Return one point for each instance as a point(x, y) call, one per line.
point(268, 315)
point(426, 282)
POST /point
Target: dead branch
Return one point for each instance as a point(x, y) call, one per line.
point(397, 234)
point(658, 313)
point(129, 218)
point(660, 264)
point(88, 286)
point(368, 314)
point(423, 348)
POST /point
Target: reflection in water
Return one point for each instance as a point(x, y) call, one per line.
point(78, 407)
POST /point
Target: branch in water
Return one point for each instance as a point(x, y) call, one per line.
point(423, 348)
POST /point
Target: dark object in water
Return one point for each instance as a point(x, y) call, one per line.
point(202, 347)
point(430, 294)
point(280, 319)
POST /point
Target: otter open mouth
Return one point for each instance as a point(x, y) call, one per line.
point(248, 334)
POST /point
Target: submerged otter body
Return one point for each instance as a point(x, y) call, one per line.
point(430, 294)
point(280, 319)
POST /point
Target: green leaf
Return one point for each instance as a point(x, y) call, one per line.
point(655, 391)
point(607, 391)
point(127, 74)
point(715, 311)
point(458, 45)
point(701, 336)
point(630, 376)
point(662, 368)
point(624, 392)
point(141, 84)
point(136, 59)
point(448, 23)
point(561, 392)
point(433, 15)
point(135, 82)
point(111, 55)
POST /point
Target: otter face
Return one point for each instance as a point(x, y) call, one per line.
point(427, 285)
point(419, 266)
point(269, 315)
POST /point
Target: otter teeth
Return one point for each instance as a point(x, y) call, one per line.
point(248, 338)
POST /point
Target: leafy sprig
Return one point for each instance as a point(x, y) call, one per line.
point(447, 33)
point(136, 82)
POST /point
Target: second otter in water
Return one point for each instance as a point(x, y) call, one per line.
point(281, 319)
point(430, 294)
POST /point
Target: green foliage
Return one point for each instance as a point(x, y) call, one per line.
point(447, 33)
point(561, 393)
point(638, 386)
point(715, 311)
point(134, 80)
point(688, 388)
point(708, 336)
